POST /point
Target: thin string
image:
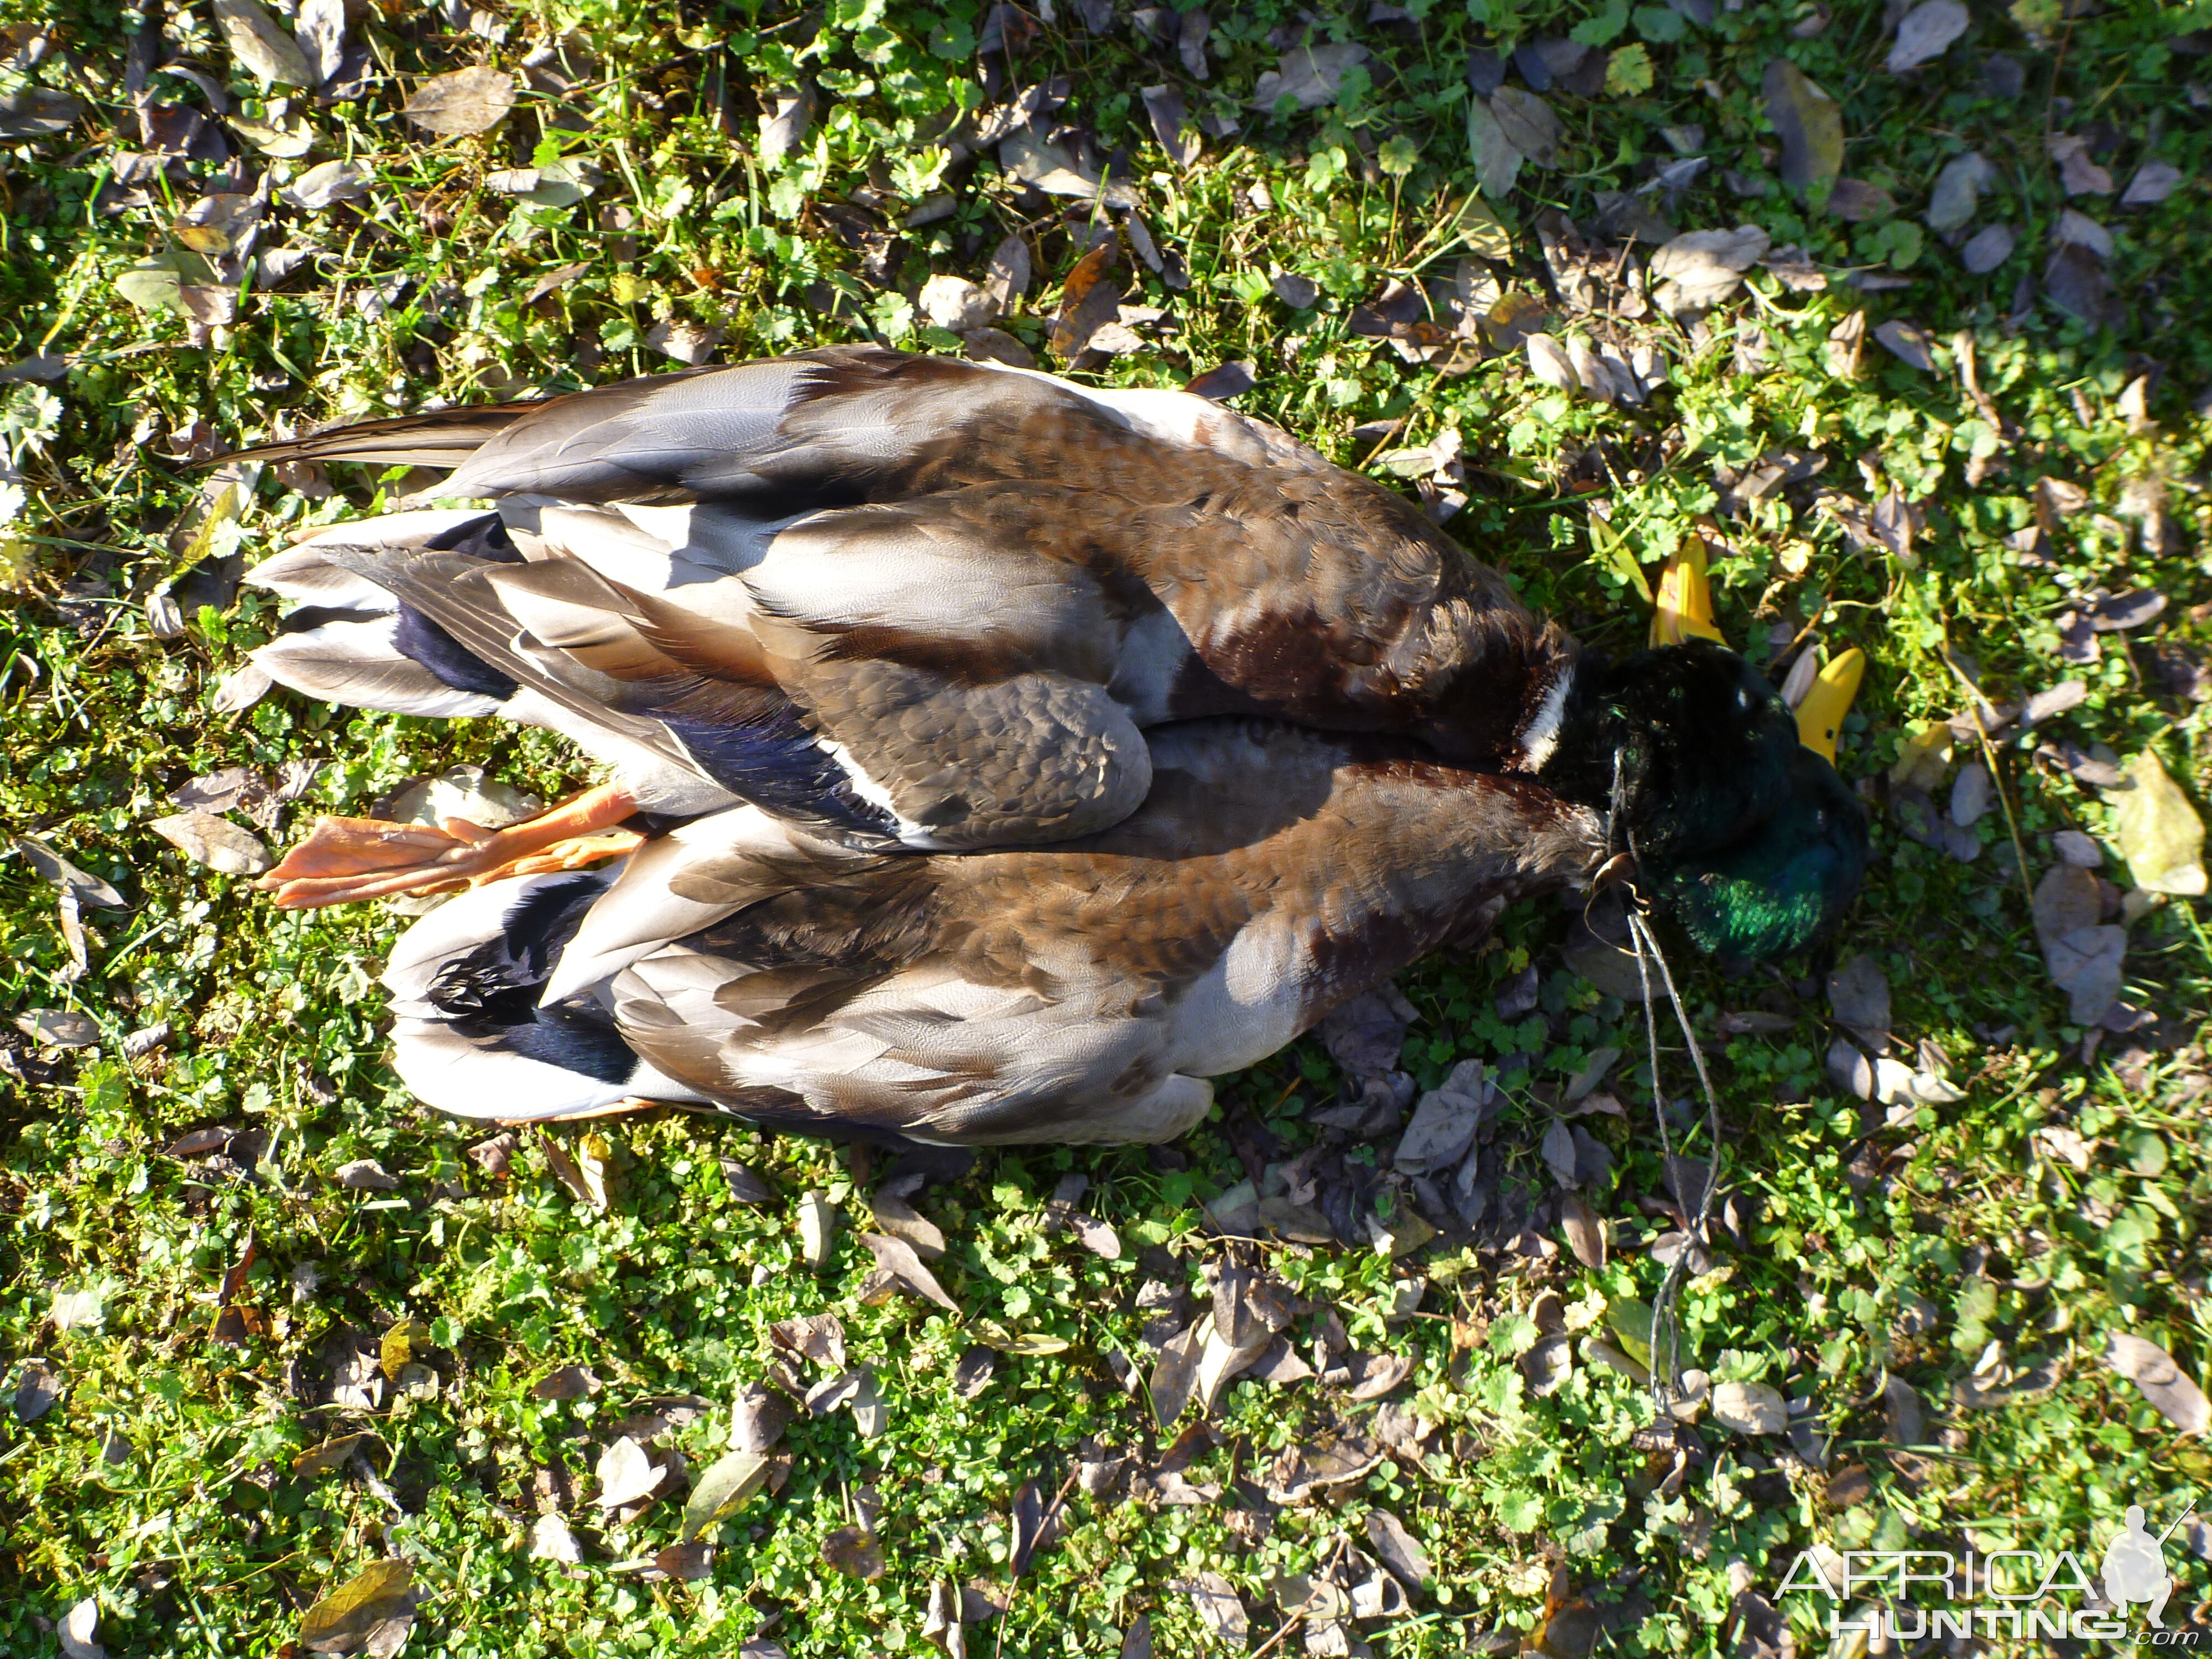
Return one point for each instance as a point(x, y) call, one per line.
point(1666, 1335)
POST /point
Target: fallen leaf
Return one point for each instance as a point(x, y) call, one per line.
point(729, 1482)
point(972, 1374)
point(1444, 1126)
point(401, 1345)
point(1548, 362)
point(1859, 995)
point(1308, 76)
point(1750, 1408)
point(2153, 182)
point(259, 43)
point(570, 1382)
point(1907, 344)
point(344, 1620)
point(37, 1388)
point(38, 112)
point(550, 1540)
point(1397, 1546)
point(59, 873)
point(1972, 794)
point(854, 1550)
point(58, 1027)
point(1529, 124)
point(896, 1217)
point(896, 1257)
point(330, 1455)
point(1219, 1607)
point(216, 842)
point(2078, 175)
point(284, 141)
point(1497, 161)
point(2078, 230)
point(685, 342)
point(689, 1561)
point(758, 1416)
point(1378, 1374)
point(790, 113)
point(2124, 611)
point(1026, 1525)
point(2152, 1370)
point(1988, 248)
point(325, 184)
point(199, 1143)
point(365, 1173)
point(626, 1475)
point(1089, 300)
point(1027, 156)
point(1855, 201)
point(818, 1229)
point(1559, 1151)
point(826, 1395)
point(321, 34)
point(465, 101)
point(2157, 830)
point(77, 1628)
point(1925, 32)
point(1176, 1374)
point(954, 303)
point(1585, 1232)
point(1190, 43)
point(2067, 1145)
point(1958, 190)
point(1808, 123)
point(1281, 1363)
point(1701, 267)
point(818, 1337)
point(1164, 107)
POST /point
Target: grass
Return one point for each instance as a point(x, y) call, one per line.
point(162, 1483)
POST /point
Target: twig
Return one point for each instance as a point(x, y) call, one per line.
point(1663, 1318)
point(1299, 1611)
point(1996, 778)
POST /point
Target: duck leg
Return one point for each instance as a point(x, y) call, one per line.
point(345, 859)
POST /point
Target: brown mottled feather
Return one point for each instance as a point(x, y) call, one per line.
point(1334, 862)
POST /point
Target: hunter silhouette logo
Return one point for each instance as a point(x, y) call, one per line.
point(1996, 1592)
point(2135, 1565)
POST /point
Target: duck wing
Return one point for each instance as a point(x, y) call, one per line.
point(1083, 992)
point(977, 586)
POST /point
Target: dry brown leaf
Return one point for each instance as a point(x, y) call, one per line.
point(216, 842)
point(818, 1337)
point(626, 1475)
point(854, 1550)
point(60, 874)
point(1809, 123)
point(1089, 300)
point(899, 1218)
point(465, 101)
point(259, 43)
point(729, 1482)
point(896, 1257)
point(2152, 1370)
point(344, 1620)
point(1926, 32)
point(570, 1382)
point(1585, 1231)
point(330, 1455)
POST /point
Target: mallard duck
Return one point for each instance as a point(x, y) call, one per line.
point(1078, 992)
point(918, 604)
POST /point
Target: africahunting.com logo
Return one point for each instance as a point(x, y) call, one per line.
point(1914, 1595)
